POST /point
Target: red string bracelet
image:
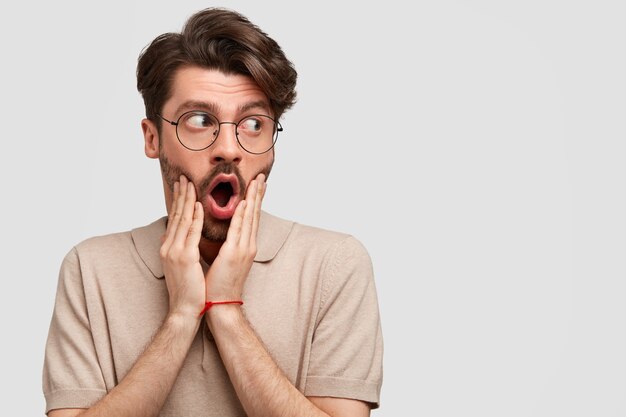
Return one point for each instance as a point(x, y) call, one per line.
point(210, 304)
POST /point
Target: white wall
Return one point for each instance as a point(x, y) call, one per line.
point(476, 148)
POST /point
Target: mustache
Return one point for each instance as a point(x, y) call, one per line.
point(223, 168)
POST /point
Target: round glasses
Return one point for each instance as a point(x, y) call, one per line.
point(197, 130)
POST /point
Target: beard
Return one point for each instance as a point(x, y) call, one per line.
point(213, 230)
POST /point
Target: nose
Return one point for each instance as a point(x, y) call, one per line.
point(226, 149)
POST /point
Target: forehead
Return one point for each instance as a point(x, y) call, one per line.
point(214, 90)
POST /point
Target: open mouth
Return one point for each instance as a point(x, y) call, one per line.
point(222, 193)
point(223, 196)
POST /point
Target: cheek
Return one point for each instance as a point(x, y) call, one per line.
point(260, 165)
point(264, 161)
point(173, 166)
point(194, 164)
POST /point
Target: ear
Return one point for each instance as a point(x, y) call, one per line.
point(151, 138)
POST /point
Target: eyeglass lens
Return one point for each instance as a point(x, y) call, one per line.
point(198, 130)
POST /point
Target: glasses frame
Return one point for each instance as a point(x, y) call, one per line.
point(279, 128)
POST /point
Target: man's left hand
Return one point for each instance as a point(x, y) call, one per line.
point(228, 273)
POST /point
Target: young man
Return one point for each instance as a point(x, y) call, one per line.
point(153, 321)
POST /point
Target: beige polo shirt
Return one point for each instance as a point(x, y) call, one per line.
point(310, 297)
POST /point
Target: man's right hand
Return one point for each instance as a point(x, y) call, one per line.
point(143, 391)
point(180, 255)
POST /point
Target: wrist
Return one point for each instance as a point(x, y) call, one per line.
point(224, 315)
point(181, 321)
point(209, 304)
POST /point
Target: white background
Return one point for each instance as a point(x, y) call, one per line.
point(476, 148)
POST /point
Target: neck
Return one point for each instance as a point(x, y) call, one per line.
point(209, 250)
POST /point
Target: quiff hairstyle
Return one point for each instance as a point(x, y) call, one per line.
point(217, 39)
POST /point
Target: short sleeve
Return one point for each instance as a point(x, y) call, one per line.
point(347, 347)
point(72, 377)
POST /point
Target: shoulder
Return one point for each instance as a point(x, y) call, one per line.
point(314, 240)
point(102, 250)
point(104, 243)
point(334, 243)
point(311, 236)
point(117, 248)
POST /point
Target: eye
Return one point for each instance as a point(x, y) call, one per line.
point(252, 125)
point(199, 121)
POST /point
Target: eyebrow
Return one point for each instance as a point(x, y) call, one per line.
point(198, 105)
point(259, 104)
point(214, 108)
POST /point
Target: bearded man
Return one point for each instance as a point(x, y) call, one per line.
point(218, 308)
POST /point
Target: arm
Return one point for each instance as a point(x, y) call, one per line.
point(261, 386)
point(144, 389)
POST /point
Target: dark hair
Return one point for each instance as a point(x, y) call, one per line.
point(218, 39)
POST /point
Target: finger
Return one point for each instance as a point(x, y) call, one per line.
point(257, 208)
point(170, 215)
point(180, 202)
point(195, 230)
point(248, 216)
point(234, 230)
point(186, 216)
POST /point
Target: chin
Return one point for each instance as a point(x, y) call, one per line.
point(216, 230)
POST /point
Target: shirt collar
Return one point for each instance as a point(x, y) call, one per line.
point(272, 234)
